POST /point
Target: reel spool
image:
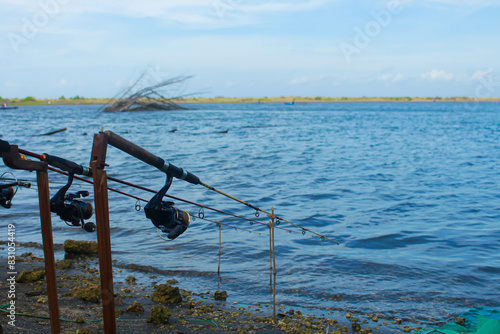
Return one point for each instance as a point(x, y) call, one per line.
point(164, 215)
point(9, 190)
point(72, 210)
point(7, 193)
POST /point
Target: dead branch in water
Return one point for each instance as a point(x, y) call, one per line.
point(152, 97)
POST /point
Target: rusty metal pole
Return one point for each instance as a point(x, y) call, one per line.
point(12, 159)
point(98, 162)
point(270, 258)
point(220, 245)
point(273, 220)
point(42, 178)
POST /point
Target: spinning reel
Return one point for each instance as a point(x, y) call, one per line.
point(164, 215)
point(7, 191)
point(72, 210)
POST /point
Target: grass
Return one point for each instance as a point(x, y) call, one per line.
point(31, 101)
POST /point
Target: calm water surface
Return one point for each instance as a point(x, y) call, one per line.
point(410, 190)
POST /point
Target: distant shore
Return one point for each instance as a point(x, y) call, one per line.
point(29, 101)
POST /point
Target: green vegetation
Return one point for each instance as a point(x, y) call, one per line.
point(30, 100)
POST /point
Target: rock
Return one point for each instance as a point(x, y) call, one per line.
point(165, 293)
point(356, 327)
point(220, 295)
point(75, 248)
point(89, 293)
point(118, 299)
point(131, 279)
point(172, 281)
point(65, 264)
point(375, 318)
point(159, 315)
point(459, 321)
point(27, 276)
point(136, 307)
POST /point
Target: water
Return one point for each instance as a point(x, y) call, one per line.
point(410, 190)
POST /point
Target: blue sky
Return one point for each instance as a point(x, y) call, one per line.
point(252, 48)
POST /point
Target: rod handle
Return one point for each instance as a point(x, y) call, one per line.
point(4, 146)
point(149, 158)
point(67, 165)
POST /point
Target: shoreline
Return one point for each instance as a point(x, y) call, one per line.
point(263, 100)
point(199, 312)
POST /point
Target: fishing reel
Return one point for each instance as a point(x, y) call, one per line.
point(164, 215)
point(6, 195)
point(72, 210)
point(9, 190)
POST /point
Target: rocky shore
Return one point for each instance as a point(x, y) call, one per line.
point(159, 307)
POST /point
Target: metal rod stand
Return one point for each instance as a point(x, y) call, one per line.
point(12, 159)
point(42, 178)
point(97, 163)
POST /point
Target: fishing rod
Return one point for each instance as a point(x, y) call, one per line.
point(63, 163)
point(149, 158)
point(174, 171)
point(66, 166)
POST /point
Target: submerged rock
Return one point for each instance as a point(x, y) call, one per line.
point(75, 248)
point(89, 293)
point(220, 295)
point(65, 264)
point(165, 293)
point(159, 315)
point(136, 307)
point(131, 279)
point(27, 276)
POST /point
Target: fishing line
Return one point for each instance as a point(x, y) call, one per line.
point(140, 153)
point(183, 175)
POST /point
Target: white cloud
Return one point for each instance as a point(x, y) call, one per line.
point(391, 77)
point(201, 12)
point(466, 2)
point(398, 77)
point(480, 74)
point(266, 7)
point(63, 82)
point(298, 81)
point(437, 75)
point(462, 3)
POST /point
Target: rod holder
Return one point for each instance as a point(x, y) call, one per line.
point(14, 160)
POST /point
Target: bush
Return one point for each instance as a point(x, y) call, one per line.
point(29, 99)
point(62, 97)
